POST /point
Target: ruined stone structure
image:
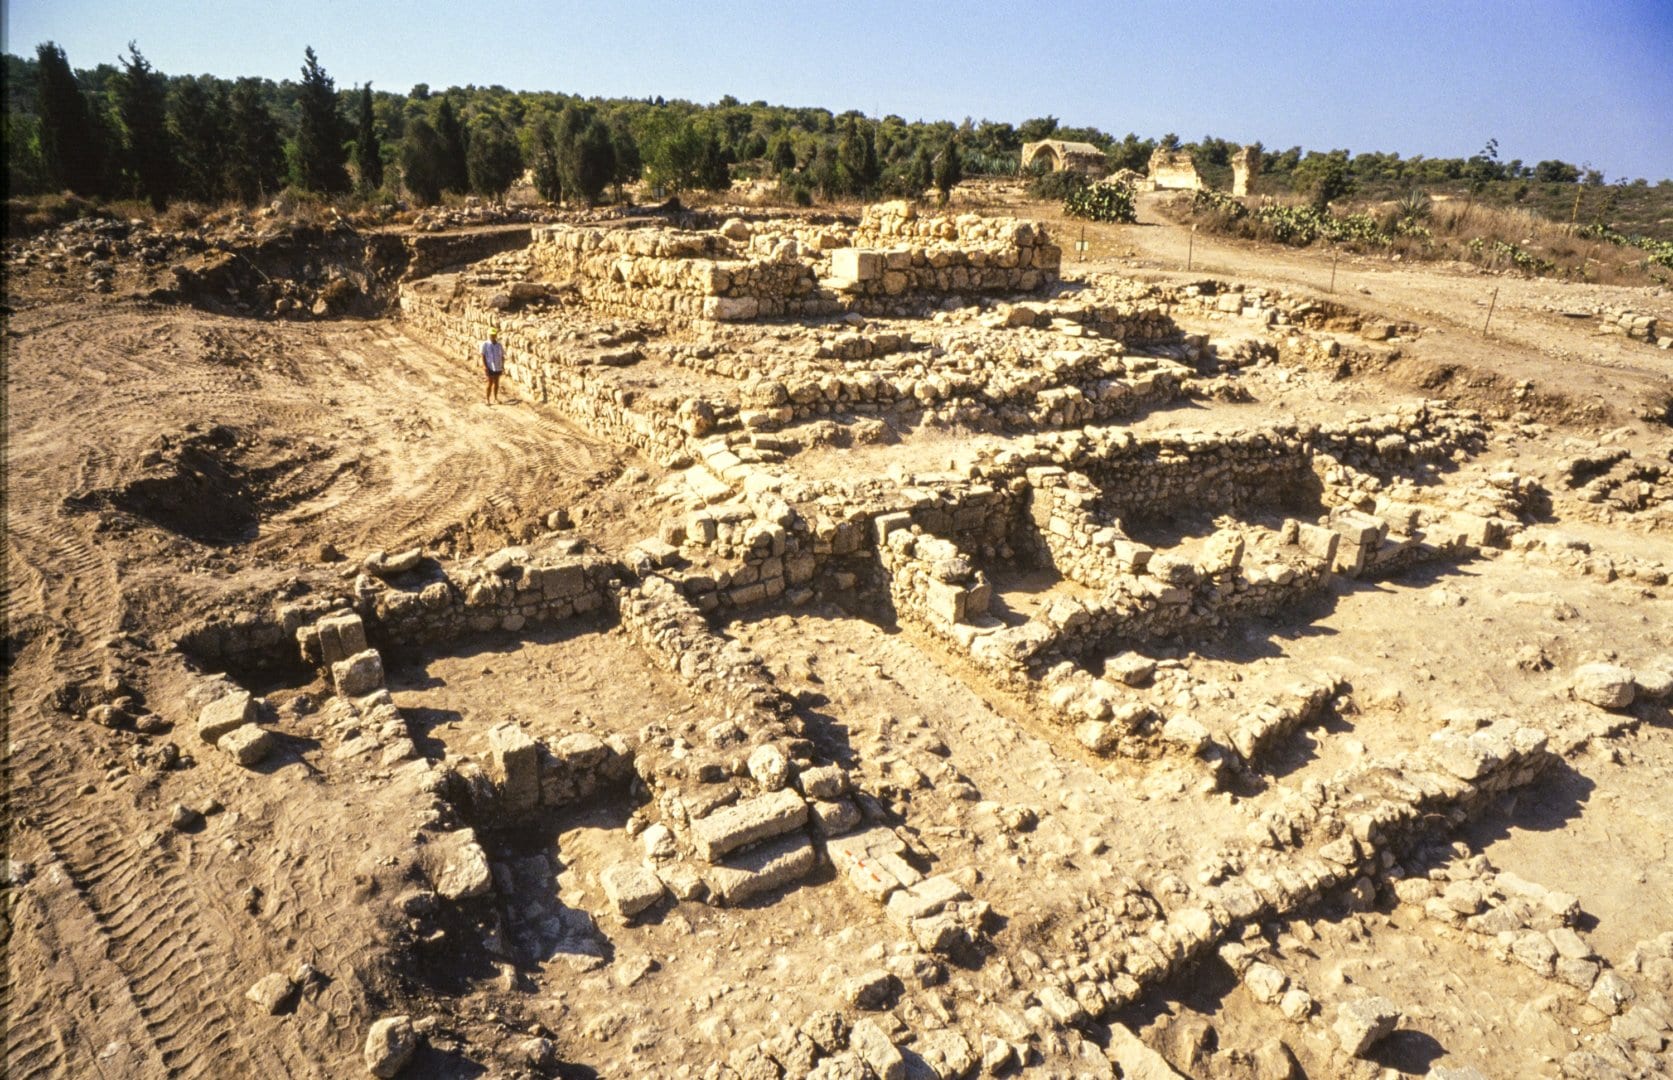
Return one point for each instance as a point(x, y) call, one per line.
point(1173, 170)
point(1054, 511)
point(1246, 168)
point(1056, 155)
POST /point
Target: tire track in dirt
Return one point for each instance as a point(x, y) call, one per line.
point(458, 460)
point(153, 931)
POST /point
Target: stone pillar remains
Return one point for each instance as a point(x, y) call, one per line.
point(1246, 166)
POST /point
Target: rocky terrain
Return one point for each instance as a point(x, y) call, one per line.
point(887, 645)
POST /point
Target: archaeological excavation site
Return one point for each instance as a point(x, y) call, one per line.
point(875, 644)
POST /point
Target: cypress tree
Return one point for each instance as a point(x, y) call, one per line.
point(949, 169)
point(455, 165)
point(141, 103)
point(422, 164)
point(624, 148)
point(198, 123)
point(368, 155)
point(493, 161)
point(319, 132)
point(784, 154)
point(594, 161)
point(256, 163)
point(541, 152)
point(69, 144)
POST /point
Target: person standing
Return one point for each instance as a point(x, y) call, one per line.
point(493, 361)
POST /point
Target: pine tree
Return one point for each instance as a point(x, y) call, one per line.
point(320, 156)
point(455, 165)
point(141, 104)
point(256, 162)
point(198, 123)
point(69, 146)
point(368, 154)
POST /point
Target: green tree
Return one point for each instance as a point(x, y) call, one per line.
point(198, 124)
point(320, 157)
point(675, 152)
point(423, 165)
point(625, 150)
point(142, 106)
point(949, 170)
point(784, 154)
point(492, 162)
point(1040, 127)
point(591, 161)
point(1556, 172)
point(368, 154)
point(455, 165)
point(540, 152)
point(68, 144)
point(1324, 177)
point(256, 162)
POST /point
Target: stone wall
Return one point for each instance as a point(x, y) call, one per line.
point(1632, 324)
point(506, 591)
point(690, 275)
point(773, 270)
point(441, 311)
point(896, 253)
point(1173, 170)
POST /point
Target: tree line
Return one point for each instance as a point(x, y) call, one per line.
point(126, 130)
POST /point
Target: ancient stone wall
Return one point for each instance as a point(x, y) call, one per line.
point(897, 253)
point(674, 273)
point(456, 322)
point(1173, 170)
point(1246, 168)
point(508, 590)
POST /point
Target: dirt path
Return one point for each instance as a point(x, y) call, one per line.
point(1540, 330)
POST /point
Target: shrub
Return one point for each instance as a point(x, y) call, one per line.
point(1055, 186)
point(1102, 202)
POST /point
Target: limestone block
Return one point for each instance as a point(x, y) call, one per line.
point(1319, 543)
point(946, 602)
point(868, 1040)
point(389, 1046)
point(358, 675)
point(768, 767)
point(746, 822)
point(1608, 686)
point(456, 865)
point(857, 265)
point(1360, 1025)
point(514, 763)
point(834, 818)
point(631, 888)
point(340, 637)
point(226, 714)
point(762, 869)
point(824, 782)
point(248, 745)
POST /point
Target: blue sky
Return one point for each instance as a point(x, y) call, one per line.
point(1580, 81)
